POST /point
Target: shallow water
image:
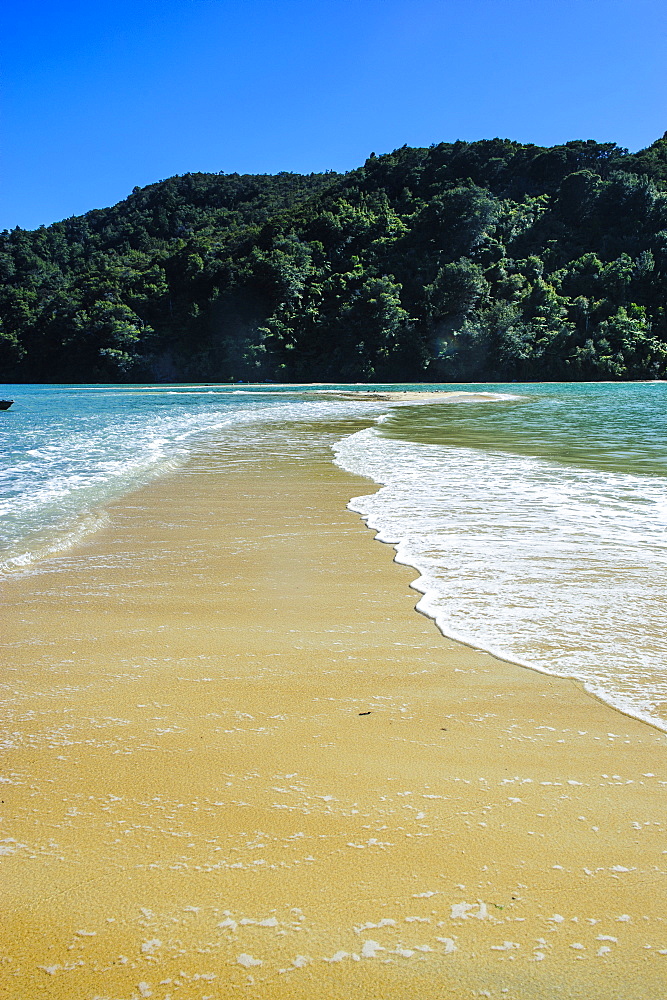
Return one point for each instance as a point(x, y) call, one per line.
point(537, 518)
point(67, 450)
point(539, 525)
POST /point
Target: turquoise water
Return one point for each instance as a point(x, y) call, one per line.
point(538, 523)
point(619, 427)
point(536, 514)
point(66, 450)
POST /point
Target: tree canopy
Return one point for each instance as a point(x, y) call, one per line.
point(464, 261)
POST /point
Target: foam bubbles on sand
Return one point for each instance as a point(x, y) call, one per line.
point(148, 947)
point(461, 911)
point(247, 961)
point(503, 937)
point(10, 846)
point(337, 957)
point(385, 922)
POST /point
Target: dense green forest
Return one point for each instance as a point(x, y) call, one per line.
point(464, 261)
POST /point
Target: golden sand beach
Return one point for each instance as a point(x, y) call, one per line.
point(236, 762)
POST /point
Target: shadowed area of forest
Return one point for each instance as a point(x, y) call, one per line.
point(464, 261)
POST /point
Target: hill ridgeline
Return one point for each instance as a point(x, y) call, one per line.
point(488, 260)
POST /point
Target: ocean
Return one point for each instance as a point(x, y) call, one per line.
point(535, 514)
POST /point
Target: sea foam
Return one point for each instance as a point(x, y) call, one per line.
point(555, 567)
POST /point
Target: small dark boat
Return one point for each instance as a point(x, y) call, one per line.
point(5, 403)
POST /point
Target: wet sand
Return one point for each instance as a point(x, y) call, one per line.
point(412, 397)
point(237, 762)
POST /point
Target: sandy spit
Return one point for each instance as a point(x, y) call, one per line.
point(236, 762)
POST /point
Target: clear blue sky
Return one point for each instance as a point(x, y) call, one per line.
point(100, 95)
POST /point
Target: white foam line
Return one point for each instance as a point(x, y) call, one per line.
point(423, 607)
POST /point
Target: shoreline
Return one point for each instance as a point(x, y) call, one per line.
point(223, 708)
point(658, 725)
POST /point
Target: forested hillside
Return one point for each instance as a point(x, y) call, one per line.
point(485, 260)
